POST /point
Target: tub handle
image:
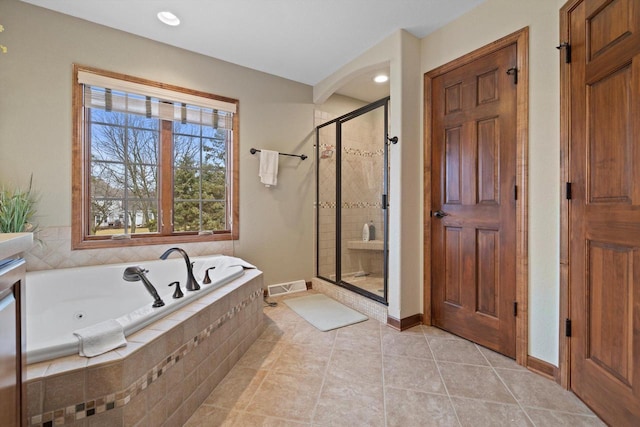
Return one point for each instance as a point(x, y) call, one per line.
point(207, 279)
point(178, 292)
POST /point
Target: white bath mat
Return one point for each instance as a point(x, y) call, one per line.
point(323, 312)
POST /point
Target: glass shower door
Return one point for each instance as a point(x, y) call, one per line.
point(362, 216)
point(351, 200)
point(326, 203)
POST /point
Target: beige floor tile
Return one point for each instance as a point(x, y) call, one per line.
point(411, 345)
point(350, 404)
point(532, 390)
point(544, 418)
point(358, 339)
point(277, 332)
point(303, 359)
point(411, 373)
point(346, 366)
point(407, 408)
point(211, 416)
point(305, 333)
point(476, 382)
point(294, 374)
point(286, 395)
point(478, 413)
point(456, 350)
point(281, 313)
point(497, 360)
point(261, 355)
point(433, 332)
point(386, 329)
point(250, 420)
point(369, 325)
point(237, 388)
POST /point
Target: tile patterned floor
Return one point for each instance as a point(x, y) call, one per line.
point(370, 375)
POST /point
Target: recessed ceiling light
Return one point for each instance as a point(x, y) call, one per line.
point(168, 18)
point(381, 78)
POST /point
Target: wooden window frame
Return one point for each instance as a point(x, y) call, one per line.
point(80, 239)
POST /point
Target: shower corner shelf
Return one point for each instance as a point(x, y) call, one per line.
point(371, 245)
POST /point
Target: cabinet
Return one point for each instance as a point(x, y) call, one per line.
point(12, 328)
point(12, 341)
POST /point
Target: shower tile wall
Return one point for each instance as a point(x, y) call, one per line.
point(362, 179)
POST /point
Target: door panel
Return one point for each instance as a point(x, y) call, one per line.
point(604, 212)
point(453, 265)
point(488, 271)
point(610, 283)
point(473, 179)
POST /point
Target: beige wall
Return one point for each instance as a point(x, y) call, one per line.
point(484, 24)
point(276, 225)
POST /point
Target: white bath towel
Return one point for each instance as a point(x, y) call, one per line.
point(100, 338)
point(268, 167)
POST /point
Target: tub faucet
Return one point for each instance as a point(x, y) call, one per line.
point(192, 284)
point(135, 274)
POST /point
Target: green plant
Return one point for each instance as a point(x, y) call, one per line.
point(17, 208)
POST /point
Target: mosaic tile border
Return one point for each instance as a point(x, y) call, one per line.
point(119, 399)
point(362, 153)
point(350, 205)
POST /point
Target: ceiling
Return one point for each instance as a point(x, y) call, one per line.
point(301, 40)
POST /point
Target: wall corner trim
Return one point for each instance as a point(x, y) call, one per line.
point(405, 323)
point(543, 368)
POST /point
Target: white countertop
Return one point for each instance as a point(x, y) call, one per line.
point(14, 243)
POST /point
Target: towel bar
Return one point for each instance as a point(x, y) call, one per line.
point(302, 156)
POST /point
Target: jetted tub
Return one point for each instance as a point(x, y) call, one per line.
point(61, 301)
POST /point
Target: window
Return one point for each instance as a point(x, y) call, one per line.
point(152, 163)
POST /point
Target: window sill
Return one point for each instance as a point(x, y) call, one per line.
point(104, 243)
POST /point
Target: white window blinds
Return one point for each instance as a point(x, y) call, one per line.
point(112, 94)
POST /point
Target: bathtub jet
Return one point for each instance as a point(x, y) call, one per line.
point(136, 274)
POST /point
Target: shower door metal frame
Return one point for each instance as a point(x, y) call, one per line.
point(384, 103)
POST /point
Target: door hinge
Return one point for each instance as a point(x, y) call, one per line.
point(567, 51)
point(515, 308)
point(515, 192)
point(384, 201)
point(513, 71)
point(567, 191)
point(567, 328)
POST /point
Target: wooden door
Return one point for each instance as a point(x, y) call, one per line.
point(604, 210)
point(473, 200)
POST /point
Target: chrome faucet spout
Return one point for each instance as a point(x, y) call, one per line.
point(192, 283)
point(136, 274)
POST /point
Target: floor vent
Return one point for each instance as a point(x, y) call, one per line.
point(287, 288)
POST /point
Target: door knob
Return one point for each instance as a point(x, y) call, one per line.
point(440, 214)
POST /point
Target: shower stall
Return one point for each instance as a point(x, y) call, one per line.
point(352, 174)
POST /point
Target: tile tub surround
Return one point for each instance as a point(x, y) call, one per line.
point(53, 250)
point(163, 374)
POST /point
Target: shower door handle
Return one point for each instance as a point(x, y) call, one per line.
point(440, 214)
